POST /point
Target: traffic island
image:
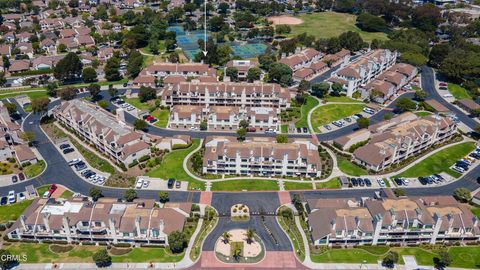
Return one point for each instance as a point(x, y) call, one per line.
point(239, 246)
point(240, 212)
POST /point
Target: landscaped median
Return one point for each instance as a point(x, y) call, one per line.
point(287, 222)
point(440, 161)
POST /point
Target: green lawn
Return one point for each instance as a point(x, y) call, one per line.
point(422, 114)
point(309, 105)
point(331, 24)
point(284, 128)
point(326, 114)
point(289, 226)
point(172, 167)
point(94, 159)
point(297, 185)
point(476, 211)
point(465, 257)
point(66, 194)
point(162, 116)
point(13, 211)
point(135, 102)
point(14, 93)
point(350, 168)
point(351, 255)
point(42, 189)
point(339, 99)
point(440, 161)
point(331, 184)
point(245, 184)
point(138, 255)
point(34, 169)
point(457, 91)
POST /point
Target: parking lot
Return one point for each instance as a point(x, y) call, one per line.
point(13, 197)
point(432, 180)
point(366, 182)
point(159, 184)
point(345, 121)
point(79, 165)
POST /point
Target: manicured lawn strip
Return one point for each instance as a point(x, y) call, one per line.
point(291, 229)
point(13, 211)
point(93, 159)
point(207, 227)
point(162, 116)
point(331, 184)
point(14, 93)
point(421, 114)
point(331, 24)
point(309, 105)
point(245, 184)
point(340, 99)
point(66, 194)
point(422, 256)
point(138, 255)
point(135, 102)
point(476, 211)
point(297, 185)
point(351, 255)
point(34, 169)
point(172, 167)
point(42, 189)
point(440, 161)
point(332, 112)
point(465, 257)
point(284, 128)
point(457, 91)
point(350, 168)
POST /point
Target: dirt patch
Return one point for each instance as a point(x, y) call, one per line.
point(276, 20)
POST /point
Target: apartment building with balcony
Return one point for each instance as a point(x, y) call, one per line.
point(107, 220)
point(305, 64)
point(186, 116)
point(111, 136)
point(158, 71)
point(391, 220)
point(261, 156)
point(406, 135)
point(364, 69)
point(226, 94)
point(242, 66)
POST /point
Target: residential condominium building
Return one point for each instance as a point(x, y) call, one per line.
point(401, 137)
point(222, 117)
point(107, 220)
point(10, 134)
point(226, 94)
point(364, 69)
point(158, 71)
point(261, 156)
point(391, 220)
point(110, 136)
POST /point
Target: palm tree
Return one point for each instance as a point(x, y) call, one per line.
point(250, 235)
point(226, 237)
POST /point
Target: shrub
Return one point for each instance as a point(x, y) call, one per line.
point(134, 163)
point(26, 164)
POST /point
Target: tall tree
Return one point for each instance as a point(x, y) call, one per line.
point(69, 68)
point(112, 69)
point(89, 74)
point(40, 105)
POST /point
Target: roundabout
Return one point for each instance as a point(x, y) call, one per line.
point(239, 246)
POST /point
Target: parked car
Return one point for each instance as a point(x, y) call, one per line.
point(21, 176)
point(68, 150)
point(11, 196)
point(354, 182)
point(139, 183)
point(439, 176)
point(458, 169)
point(422, 180)
point(361, 182)
point(14, 179)
point(328, 127)
point(251, 129)
point(170, 182)
point(50, 191)
point(348, 119)
point(21, 197)
point(443, 88)
point(146, 183)
point(3, 201)
point(368, 110)
point(405, 181)
point(64, 146)
point(381, 182)
point(74, 161)
point(368, 183)
point(86, 172)
point(398, 181)
point(447, 95)
point(178, 184)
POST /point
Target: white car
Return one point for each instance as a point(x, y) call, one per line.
point(21, 197)
point(11, 196)
point(139, 183)
point(381, 182)
point(125, 105)
point(405, 181)
point(447, 95)
point(458, 169)
point(130, 108)
point(74, 161)
point(145, 183)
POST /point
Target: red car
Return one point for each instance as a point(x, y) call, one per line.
point(50, 191)
point(443, 84)
point(251, 129)
point(149, 118)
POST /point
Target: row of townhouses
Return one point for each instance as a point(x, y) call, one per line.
point(109, 135)
point(157, 71)
point(223, 117)
point(397, 139)
point(363, 71)
point(261, 156)
point(391, 220)
point(226, 94)
point(107, 220)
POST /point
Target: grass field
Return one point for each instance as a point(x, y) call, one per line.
point(245, 184)
point(326, 114)
point(13, 211)
point(135, 102)
point(14, 93)
point(339, 99)
point(309, 105)
point(297, 185)
point(289, 226)
point(66, 194)
point(422, 114)
point(34, 169)
point(476, 211)
point(331, 184)
point(331, 24)
point(172, 167)
point(138, 255)
point(440, 161)
point(162, 116)
point(350, 168)
point(457, 91)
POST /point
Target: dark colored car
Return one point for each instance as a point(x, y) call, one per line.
point(64, 146)
point(422, 180)
point(14, 179)
point(462, 165)
point(21, 176)
point(354, 182)
point(367, 182)
point(3, 201)
point(399, 182)
point(251, 129)
point(361, 182)
point(170, 182)
point(84, 173)
point(68, 150)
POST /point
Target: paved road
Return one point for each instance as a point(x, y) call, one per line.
point(428, 84)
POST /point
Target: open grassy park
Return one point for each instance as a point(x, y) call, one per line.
point(440, 161)
point(457, 91)
point(349, 167)
point(162, 116)
point(13, 211)
point(307, 107)
point(331, 24)
point(331, 112)
point(172, 167)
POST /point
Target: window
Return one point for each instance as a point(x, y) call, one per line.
point(85, 223)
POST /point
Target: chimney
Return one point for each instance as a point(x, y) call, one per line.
point(45, 217)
